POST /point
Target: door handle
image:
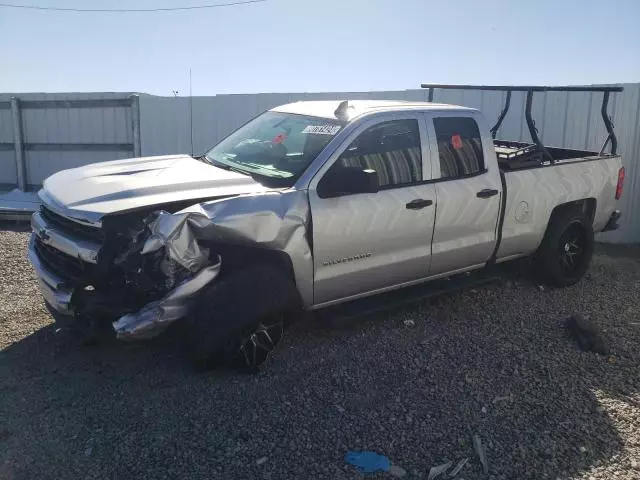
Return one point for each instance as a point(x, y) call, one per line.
point(486, 193)
point(418, 203)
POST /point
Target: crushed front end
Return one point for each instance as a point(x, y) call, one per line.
point(140, 271)
point(97, 271)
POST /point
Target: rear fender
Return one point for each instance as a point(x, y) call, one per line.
point(585, 206)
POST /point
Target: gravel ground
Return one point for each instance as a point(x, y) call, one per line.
point(495, 362)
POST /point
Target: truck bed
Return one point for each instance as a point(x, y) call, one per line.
point(533, 193)
point(519, 155)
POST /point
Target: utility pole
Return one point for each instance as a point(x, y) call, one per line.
point(191, 111)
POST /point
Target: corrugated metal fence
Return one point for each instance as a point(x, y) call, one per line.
point(165, 122)
point(67, 130)
point(41, 134)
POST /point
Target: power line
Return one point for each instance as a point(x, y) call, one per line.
point(126, 10)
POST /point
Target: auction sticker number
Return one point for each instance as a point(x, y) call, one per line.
point(321, 129)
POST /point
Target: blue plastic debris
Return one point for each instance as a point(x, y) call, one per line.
point(368, 462)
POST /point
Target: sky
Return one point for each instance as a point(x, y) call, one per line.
point(317, 45)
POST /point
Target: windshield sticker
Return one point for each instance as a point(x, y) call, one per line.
point(456, 142)
point(279, 138)
point(321, 129)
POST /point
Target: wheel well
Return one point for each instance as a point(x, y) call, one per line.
point(587, 206)
point(237, 257)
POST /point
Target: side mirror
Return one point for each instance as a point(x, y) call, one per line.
point(347, 181)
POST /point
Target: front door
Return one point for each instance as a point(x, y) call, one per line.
point(369, 241)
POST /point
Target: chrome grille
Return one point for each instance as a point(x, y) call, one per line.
point(70, 269)
point(64, 224)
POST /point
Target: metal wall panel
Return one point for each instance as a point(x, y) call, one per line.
point(551, 117)
point(8, 174)
point(165, 121)
point(627, 126)
point(164, 124)
point(6, 124)
point(42, 164)
point(577, 113)
point(76, 125)
point(64, 130)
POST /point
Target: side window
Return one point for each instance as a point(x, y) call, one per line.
point(390, 148)
point(459, 146)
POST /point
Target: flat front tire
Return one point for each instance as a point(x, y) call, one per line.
point(239, 320)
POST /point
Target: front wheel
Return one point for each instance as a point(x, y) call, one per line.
point(565, 253)
point(250, 350)
point(239, 320)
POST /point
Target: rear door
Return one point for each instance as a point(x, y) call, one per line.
point(468, 191)
point(371, 241)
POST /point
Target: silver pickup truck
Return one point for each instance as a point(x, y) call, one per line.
point(306, 206)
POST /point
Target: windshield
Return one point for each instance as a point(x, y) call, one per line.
point(275, 145)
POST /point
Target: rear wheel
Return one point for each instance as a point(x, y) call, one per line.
point(565, 253)
point(240, 320)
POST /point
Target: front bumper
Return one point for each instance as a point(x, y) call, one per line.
point(53, 288)
point(66, 254)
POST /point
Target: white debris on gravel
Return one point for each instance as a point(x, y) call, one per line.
point(504, 398)
point(439, 470)
point(459, 466)
point(415, 394)
point(396, 471)
point(481, 451)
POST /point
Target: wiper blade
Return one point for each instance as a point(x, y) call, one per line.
point(274, 171)
point(250, 173)
point(229, 168)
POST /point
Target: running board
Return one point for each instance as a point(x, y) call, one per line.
point(408, 295)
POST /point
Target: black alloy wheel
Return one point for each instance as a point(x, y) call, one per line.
point(572, 249)
point(254, 347)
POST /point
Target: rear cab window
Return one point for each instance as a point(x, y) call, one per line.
point(459, 147)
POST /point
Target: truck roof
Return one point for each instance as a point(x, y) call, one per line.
point(327, 108)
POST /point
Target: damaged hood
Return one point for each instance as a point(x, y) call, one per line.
point(89, 192)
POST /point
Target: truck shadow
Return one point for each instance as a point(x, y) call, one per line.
point(495, 362)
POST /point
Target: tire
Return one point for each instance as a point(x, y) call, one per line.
point(566, 250)
point(239, 320)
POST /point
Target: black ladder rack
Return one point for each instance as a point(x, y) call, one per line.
point(530, 89)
